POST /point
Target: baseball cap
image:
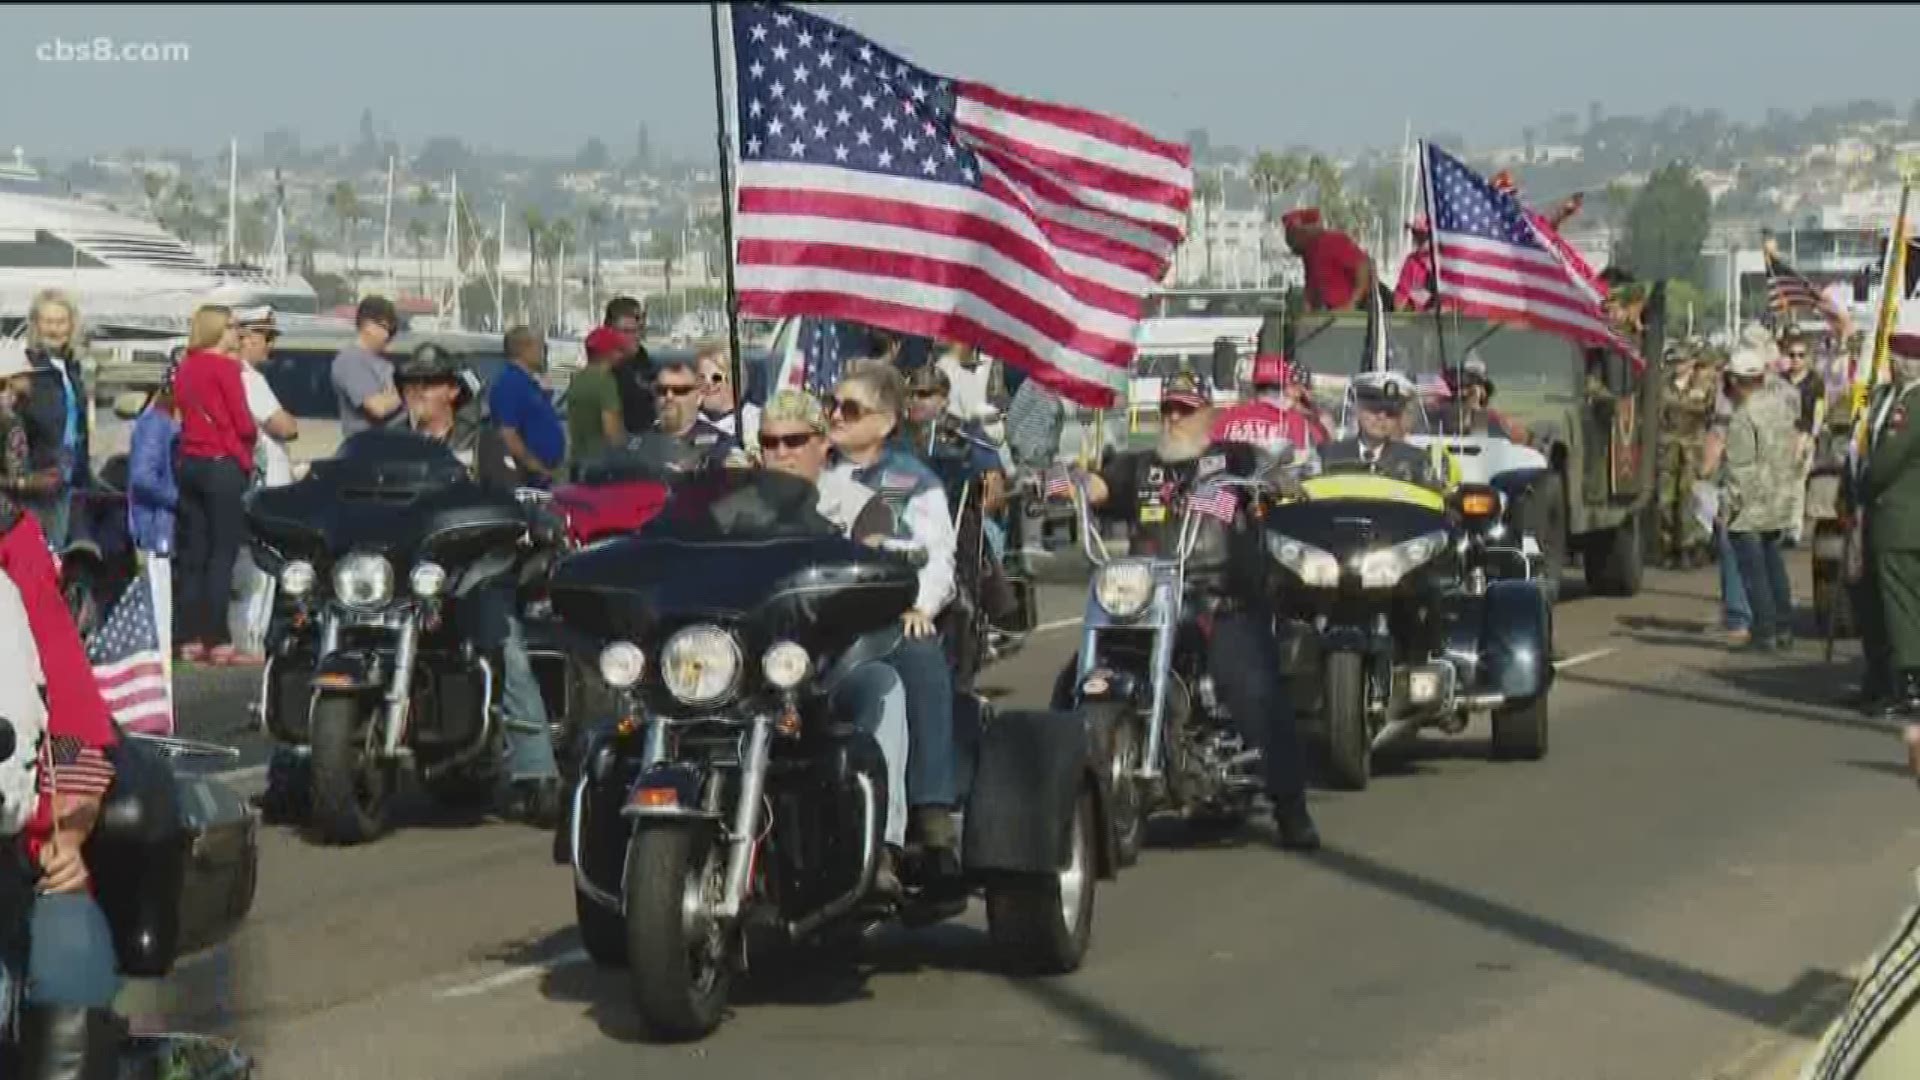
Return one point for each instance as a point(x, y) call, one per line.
point(1747, 362)
point(606, 341)
point(1304, 217)
point(1186, 388)
point(1271, 369)
point(377, 309)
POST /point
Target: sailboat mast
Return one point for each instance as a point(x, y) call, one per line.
point(386, 230)
point(500, 270)
point(233, 197)
point(453, 247)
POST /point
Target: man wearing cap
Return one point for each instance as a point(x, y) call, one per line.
point(1890, 497)
point(435, 387)
point(273, 466)
point(595, 419)
point(1758, 498)
point(362, 377)
point(1150, 490)
point(1686, 410)
point(1338, 272)
point(1270, 422)
point(1379, 447)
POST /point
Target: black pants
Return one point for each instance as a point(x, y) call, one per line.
point(1244, 660)
point(212, 525)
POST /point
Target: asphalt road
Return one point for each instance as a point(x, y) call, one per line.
point(1674, 892)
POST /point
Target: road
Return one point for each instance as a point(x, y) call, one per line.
point(1675, 892)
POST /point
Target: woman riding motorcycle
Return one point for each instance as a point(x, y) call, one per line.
point(868, 406)
point(50, 793)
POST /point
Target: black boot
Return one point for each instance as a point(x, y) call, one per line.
point(1906, 697)
point(66, 1043)
point(1294, 825)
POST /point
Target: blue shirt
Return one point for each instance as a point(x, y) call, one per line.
point(516, 401)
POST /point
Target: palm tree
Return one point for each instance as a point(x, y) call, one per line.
point(597, 219)
point(153, 185)
point(304, 245)
point(345, 207)
point(1206, 192)
point(536, 227)
point(186, 216)
point(662, 247)
point(417, 237)
point(560, 236)
point(254, 236)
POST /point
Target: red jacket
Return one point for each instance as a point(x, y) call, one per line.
point(214, 419)
point(79, 726)
point(1265, 426)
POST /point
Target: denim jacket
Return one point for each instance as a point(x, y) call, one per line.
point(152, 492)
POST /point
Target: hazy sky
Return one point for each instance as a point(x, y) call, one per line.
point(543, 78)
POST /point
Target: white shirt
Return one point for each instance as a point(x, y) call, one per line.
point(842, 498)
point(275, 464)
point(968, 400)
point(929, 524)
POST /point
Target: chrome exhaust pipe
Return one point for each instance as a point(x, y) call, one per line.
point(1393, 731)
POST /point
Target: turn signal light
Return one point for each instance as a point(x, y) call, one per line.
point(333, 681)
point(655, 798)
point(788, 723)
point(1479, 504)
point(627, 726)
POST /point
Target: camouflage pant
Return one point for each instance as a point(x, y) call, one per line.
point(1680, 534)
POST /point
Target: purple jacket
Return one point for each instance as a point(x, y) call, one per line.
point(152, 493)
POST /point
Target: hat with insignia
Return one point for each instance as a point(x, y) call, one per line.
point(1186, 388)
point(1383, 389)
point(258, 318)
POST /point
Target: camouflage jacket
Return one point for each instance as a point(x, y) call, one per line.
point(1688, 405)
point(1761, 464)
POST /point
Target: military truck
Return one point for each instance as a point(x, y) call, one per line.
point(1592, 415)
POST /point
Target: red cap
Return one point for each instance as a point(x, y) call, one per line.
point(1904, 345)
point(1271, 369)
point(1419, 226)
point(1305, 217)
point(606, 341)
point(1503, 181)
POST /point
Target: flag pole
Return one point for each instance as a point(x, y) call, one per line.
point(725, 141)
point(1433, 248)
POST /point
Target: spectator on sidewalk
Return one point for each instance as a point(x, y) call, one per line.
point(57, 413)
point(1760, 467)
point(272, 467)
point(528, 422)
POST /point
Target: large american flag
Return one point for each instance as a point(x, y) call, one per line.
point(1494, 263)
point(1788, 291)
point(127, 662)
point(874, 190)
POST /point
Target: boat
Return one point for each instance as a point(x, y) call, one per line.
point(129, 277)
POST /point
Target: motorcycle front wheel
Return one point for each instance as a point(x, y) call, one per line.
point(680, 965)
point(351, 788)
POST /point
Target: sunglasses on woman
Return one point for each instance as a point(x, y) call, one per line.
point(850, 410)
point(792, 441)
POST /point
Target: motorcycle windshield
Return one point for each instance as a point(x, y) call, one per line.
point(1345, 515)
point(735, 546)
point(390, 493)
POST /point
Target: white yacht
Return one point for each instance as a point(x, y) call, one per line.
point(129, 276)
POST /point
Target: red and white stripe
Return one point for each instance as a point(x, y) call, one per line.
point(1044, 265)
point(1492, 279)
point(1215, 501)
point(137, 692)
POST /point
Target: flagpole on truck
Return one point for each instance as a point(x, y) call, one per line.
point(1433, 247)
point(724, 138)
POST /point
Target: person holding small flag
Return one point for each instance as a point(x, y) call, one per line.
point(1151, 491)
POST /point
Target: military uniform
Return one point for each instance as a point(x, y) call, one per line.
point(1687, 410)
point(1877, 683)
point(1890, 495)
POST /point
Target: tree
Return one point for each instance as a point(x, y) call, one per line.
point(661, 246)
point(560, 236)
point(536, 226)
point(1666, 226)
point(597, 218)
point(254, 237)
point(1206, 196)
point(345, 207)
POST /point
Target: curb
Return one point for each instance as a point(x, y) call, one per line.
point(250, 781)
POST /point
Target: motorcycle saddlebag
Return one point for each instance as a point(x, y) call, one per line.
point(175, 859)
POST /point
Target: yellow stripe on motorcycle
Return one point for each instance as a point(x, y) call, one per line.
point(1366, 486)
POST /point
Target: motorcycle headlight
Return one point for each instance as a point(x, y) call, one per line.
point(427, 580)
point(296, 578)
point(785, 665)
point(1315, 568)
point(363, 581)
point(1124, 589)
point(621, 664)
point(700, 664)
point(1383, 568)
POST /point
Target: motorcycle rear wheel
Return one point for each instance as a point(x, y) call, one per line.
point(351, 792)
point(1042, 924)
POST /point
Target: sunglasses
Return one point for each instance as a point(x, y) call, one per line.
point(929, 392)
point(716, 379)
point(1797, 354)
point(675, 391)
point(850, 410)
point(1177, 410)
point(786, 442)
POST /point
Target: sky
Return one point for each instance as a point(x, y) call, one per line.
point(542, 79)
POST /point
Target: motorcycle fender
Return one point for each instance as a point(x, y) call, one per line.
point(350, 670)
point(1032, 767)
point(1106, 685)
point(1516, 641)
point(644, 798)
point(1345, 638)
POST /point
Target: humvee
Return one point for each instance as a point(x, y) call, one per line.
point(1592, 417)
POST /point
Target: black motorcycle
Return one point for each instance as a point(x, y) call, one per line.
point(175, 859)
point(726, 795)
point(372, 678)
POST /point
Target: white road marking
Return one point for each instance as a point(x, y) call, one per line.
point(1057, 624)
point(1576, 661)
point(510, 976)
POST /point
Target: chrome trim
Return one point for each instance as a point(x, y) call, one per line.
point(746, 817)
point(401, 683)
point(266, 688)
point(580, 879)
point(481, 742)
point(869, 866)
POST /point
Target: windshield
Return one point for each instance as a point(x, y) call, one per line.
point(1534, 373)
point(1210, 304)
point(740, 504)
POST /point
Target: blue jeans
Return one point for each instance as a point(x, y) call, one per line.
point(922, 667)
point(70, 961)
point(996, 534)
point(1765, 574)
point(487, 618)
point(1735, 612)
point(871, 696)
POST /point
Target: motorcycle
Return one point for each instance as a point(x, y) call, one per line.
point(175, 859)
point(367, 680)
point(1403, 610)
point(1140, 680)
point(726, 796)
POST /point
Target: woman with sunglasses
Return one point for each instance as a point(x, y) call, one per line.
point(867, 409)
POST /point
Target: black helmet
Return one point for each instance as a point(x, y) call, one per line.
point(430, 363)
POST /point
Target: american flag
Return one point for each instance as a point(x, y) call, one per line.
point(1494, 263)
point(76, 768)
point(874, 190)
point(127, 662)
point(1216, 501)
point(1788, 291)
point(1059, 483)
